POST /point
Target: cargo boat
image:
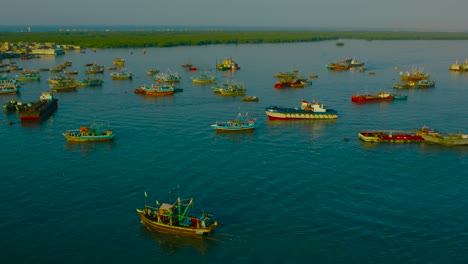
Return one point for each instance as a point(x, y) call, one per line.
point(41, 109)
point(381, 96)
point(308, 110)
point(390, 136)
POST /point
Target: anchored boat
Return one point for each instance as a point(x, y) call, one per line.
point(96, 132)
point(242, 123)
point(308, 110)
point(177, 217)
point(40, 110)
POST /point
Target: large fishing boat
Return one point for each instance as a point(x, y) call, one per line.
point(381, 96)
point(308, 110)
point(390, 136)
point(40, 110)
point(227, 64)
point(94, 69)
point(96, 132)
point(414, 75)
point(242, 123)
point(177, 218)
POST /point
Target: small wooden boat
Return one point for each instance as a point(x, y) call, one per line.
point(177, 218)
point(400, 96)
point(250, 99)
point(152, 71)
point(242, 123)
point(203, 78)
point(96, 132)
point(90, 82)
point(313, 76)
point(119, 61)
point(121, 75)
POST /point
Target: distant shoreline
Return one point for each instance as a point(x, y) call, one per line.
point(172, 38)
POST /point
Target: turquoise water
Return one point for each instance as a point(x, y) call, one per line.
point(292, 191)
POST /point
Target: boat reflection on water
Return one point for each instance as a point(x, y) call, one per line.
point(89, 147)
point(171, 244)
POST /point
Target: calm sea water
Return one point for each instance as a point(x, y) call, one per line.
point(290, 192)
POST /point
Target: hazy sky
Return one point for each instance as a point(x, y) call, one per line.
point(446, 15)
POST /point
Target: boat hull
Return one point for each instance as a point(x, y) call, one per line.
point(222, 129)
point(448, 140)
point(391, 137)
point(183, 231)
point(81, 138)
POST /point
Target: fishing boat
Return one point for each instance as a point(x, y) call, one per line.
point(250, 98)
point(447, 139)
point(464, 66)
point(287, 74)
point(155, 89)
point(29, 75)
point(167, 77)
point(381, 96)
point(390, 136)
point(119, 61)
point(308, 110)
point(404, 85)
point(232, 88)
point(74, 72)
point(227, 65)
point(63, 87)
point(41, 109)
point(455, 66)
point(90, 82)
point(94, 69)
point(9, 86)
point(17, 106)
point(414, 75)
point(57, 79)
point(203, 78)
point(121, 75)
point(177, 217)
point(14, 89)
point(96, 132)
point(152, 71)
point(425, 83)
point(337, 67)
point(400, 96)
point(355, 63)
point(242, 123)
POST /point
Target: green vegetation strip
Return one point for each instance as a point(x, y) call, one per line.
point(127, 39)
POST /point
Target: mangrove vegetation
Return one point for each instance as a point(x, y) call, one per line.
point(128, 39)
